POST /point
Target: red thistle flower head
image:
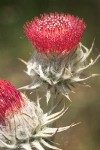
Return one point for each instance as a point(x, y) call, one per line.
point(10, 99)
point(55, 33)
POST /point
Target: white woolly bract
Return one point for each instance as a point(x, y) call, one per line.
point(29, 128)
point(62, 72)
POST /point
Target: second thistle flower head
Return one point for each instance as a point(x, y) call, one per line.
point(23, 125)
point(55, 33)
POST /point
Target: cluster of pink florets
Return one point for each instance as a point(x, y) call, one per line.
point(10, 99)
point(55, 33)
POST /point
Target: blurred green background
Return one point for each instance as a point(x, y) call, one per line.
point(13, 45)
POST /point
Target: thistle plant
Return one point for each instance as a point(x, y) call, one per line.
point(57, 63)
point(60, 58)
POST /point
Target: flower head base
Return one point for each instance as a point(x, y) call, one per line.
point(62, 73)
point(55, 33)
point(10, 99)
point(29, 127)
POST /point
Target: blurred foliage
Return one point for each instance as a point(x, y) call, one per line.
point(14, 44)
